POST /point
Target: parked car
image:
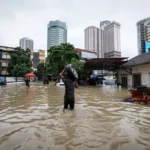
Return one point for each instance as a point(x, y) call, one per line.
point(3, 81)
point(109, 83)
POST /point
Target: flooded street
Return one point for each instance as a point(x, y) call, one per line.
point(32, 119)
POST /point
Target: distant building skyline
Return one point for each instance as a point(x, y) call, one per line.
point(26, 43)
point(5, 57)
point(56, 33)
point(111, 40)
point(105, 41)
point(86, 54)
point(37, 57)
point(143, 34)
point(92, 40)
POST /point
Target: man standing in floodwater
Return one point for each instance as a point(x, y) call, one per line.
point(27, 81)
point(69, 98)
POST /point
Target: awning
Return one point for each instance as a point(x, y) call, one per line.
point(105, 63)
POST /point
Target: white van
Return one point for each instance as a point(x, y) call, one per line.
point(109, 83)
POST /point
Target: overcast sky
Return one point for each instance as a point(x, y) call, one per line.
point(29, 18)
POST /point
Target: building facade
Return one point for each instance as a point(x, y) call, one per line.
point(5, 57)
point(92, 40)
point(143, 35)
point(135, 72)
point(103, 24)
point(42, 56)
point(37, 57)
point(105, 41)
point(111, 40)
point(86, 54)
point(56, 33)
point(26, 43)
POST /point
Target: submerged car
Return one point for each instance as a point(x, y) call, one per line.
point(109, 83)
point(60, 83)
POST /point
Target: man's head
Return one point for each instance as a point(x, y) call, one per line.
point(71, 72)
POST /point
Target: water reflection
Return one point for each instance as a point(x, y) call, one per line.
point(32, 118)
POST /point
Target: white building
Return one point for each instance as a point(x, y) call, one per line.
point(143, 34)
point(85, 54)
point(105, 41)
point(92, 40)
point(103, 24)
point(26, 43)
point(56, 33)
point(136, 72)
point(111, 40)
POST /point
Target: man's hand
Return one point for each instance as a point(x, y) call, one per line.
point(61, 74)
point(76, 84)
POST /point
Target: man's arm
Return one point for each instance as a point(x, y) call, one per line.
point(76, 84)
point(61, 75)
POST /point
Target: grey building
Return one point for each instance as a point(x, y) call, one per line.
point(111, 40)
point(5, 57)
point(92, 40)
point(105, 41)
point(143, 34)
point(103, 24)
point(26, 43)
point(35, 60)
point(56, 33)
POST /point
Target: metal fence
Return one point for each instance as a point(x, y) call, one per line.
point(13, 79)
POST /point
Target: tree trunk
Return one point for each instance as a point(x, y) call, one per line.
point(16, 78)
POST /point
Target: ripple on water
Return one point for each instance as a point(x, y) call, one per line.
point(33, 118)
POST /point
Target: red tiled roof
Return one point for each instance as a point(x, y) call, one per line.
point(83, 50)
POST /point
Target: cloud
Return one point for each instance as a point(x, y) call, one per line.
point(29, 18)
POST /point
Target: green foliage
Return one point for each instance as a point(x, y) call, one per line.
point(41, 68)
point(59, 56)
point(20, 63)
point(78, 65)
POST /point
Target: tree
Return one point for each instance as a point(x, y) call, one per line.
point(20, 62)
point(78, 65)
point(41, 68)
point(59, 56)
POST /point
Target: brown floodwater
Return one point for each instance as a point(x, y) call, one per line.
point(33, 119)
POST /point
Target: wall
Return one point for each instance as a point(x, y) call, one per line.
point(144, 70)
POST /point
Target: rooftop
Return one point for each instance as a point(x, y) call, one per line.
point(26, 38)
point(91, 27)
point(143, 20)
point(105, 63)
point(83, 50)
point(138, 60)
point(113, 22)
point(6, 48)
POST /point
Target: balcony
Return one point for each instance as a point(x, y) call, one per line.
point(6, 57)
point(3, 64)
point(4, 73)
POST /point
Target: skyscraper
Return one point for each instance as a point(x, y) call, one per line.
point(25, 43)
point(56, 33)
point(92, 39)
point(103, 24)
point(111, 40)
point(143, 35)
point(37, 57)
point(105, 41)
